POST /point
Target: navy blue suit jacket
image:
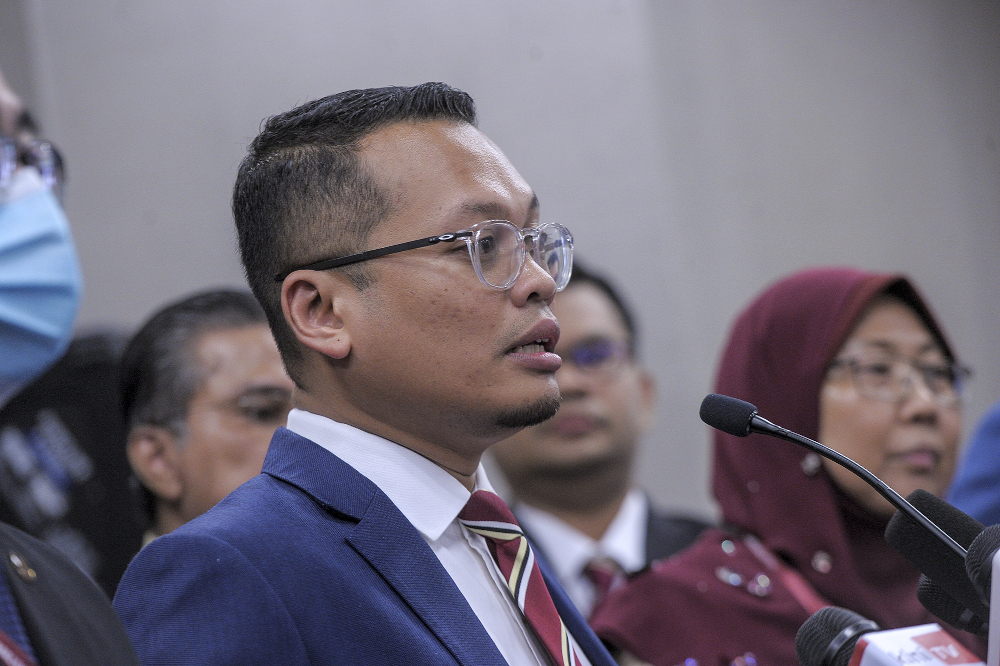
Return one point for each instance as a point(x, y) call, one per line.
point(307, 563)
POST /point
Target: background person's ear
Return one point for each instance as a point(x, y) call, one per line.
point(153, 453)
point(313, 303)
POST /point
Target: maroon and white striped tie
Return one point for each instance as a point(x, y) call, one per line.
point(488, 515)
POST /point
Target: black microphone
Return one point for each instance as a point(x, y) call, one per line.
point(829, 636)
point(959, 525)
point(924, 551)
point(979, 562)
point(740, 418)
point(947, 608)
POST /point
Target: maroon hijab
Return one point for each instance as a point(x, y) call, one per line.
point(776, 358)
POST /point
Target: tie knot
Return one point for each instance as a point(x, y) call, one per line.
point(486, 510)
point(605, 573)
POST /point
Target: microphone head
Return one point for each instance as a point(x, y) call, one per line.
point(930, 555)
point(957, 524)
point(943, 606)
point(829, 636)
point(729, 415)
point(979, 560)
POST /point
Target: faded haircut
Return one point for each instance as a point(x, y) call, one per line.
point(303, 194)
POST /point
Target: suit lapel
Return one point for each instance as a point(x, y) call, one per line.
point(388, 542)
point(397, 551)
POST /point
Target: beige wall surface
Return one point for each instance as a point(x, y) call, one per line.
point(697, 149)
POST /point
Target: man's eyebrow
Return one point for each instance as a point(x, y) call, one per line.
point(495, 211)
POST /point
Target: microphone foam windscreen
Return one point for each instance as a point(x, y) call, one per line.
point(729, 415)
point(943, 606)
point(814, 639)
point(957, 524)
point(929, 554)
point(979, 560)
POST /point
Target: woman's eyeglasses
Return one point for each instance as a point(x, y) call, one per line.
point(895, 380)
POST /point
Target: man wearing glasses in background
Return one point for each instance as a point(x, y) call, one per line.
point(407, 278)
point(572, 474)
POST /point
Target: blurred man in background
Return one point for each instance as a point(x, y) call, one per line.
point(203, 390)
point(572, 475)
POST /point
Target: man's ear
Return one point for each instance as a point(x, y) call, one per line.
point(153, 454)
point(313, 303)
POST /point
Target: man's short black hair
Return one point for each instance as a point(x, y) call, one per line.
point(583, 275)
point(302, 193)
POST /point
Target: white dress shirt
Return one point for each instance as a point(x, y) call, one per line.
point(431, 499)
point(568, 550)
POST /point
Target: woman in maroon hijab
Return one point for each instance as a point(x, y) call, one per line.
point(857, 361)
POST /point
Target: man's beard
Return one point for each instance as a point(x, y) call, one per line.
point(529, 414)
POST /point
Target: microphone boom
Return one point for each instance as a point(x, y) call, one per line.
point(740, 418)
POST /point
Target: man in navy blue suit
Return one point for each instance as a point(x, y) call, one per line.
point(407, 278)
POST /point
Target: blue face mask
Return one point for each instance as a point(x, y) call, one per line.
point(40, 282)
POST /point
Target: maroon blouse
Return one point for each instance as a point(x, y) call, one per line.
point(718, 601)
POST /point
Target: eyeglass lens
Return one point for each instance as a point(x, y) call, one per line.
point(894, 380)
point(595, 354)
point(499, 252)
point(39, 154)
point(8, 161)
point(554, 252)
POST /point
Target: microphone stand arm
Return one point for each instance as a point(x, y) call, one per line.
point(761, 425)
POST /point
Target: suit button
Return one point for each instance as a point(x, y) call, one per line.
point(26, 573)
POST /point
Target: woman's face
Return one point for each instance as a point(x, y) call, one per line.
point(909, 442)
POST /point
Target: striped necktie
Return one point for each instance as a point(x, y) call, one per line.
point(486, 514)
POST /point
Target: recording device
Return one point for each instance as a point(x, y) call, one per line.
point(946, 607)
point(937, 562)
point(829, 636)
point(979, 561)
point(984, 569)
point(837, 637)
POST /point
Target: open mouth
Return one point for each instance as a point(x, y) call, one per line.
point(537, 347)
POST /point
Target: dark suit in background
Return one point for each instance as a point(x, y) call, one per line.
point(67, 618)
point(667, 534)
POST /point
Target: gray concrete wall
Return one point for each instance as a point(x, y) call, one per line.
point(697, 149)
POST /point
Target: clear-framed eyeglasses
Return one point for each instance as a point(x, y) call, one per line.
point(498, 250)
point(895, 380)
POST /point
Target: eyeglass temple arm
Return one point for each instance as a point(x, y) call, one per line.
point(327, 264)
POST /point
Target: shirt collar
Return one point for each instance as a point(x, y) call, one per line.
point(425, 493)
point(624, 541)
